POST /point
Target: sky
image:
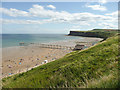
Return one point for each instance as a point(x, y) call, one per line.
point(57, 17)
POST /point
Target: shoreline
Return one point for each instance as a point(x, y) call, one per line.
point(17, 60)
point(52, 42)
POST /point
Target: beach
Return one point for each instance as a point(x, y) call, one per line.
point(19, 59)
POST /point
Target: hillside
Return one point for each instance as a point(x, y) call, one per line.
point(100, 33)
point(94, 67)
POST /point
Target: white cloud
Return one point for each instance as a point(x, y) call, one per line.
point(102, 1)
point(38, 7)
point(51, 6)
point(80, 25)
point(13, 21)
point(108, 25)
point(51, 16)
point(114, 16)
point(97, 7)
point(13, 12)
point(113, 13)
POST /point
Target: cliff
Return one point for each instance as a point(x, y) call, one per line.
point(100, 33)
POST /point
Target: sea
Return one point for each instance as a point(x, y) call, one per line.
point(10, 40)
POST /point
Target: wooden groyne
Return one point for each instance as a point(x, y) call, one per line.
point(56, 46)
point(52, 46)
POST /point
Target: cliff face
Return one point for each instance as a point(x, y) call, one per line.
point(85, 34)
point(100, 33)
point(76, 33)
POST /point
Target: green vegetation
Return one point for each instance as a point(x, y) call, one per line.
point(105, 33)
point(95, 67)
point(100, 33)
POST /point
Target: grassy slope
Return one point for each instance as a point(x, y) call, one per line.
point(93, 67)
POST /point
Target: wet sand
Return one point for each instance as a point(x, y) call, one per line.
point(23, 58)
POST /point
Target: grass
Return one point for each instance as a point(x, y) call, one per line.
point(107, 81)
point(95, 67)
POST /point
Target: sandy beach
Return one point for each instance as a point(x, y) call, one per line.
point(22, 58)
